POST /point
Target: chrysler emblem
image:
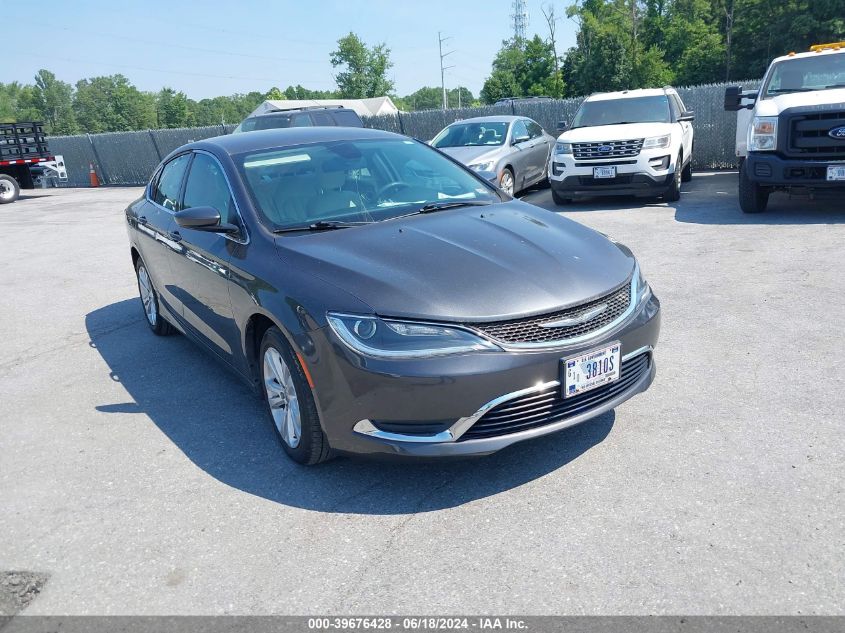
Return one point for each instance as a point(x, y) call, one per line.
point(837, 133)
point(577, 319)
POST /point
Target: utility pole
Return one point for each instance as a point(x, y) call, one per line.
point(443, 68)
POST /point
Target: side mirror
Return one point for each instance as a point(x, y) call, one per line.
point(203, 219)
point(520, 139)
point(562, 126)
point(734, 96)
point(687, 116)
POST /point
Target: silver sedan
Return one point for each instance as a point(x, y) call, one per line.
point(515, 148)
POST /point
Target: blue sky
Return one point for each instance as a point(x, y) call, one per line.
point(217, 48)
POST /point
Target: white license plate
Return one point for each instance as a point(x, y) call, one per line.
point(604, 172)
point(591, 370)
point(836, 172)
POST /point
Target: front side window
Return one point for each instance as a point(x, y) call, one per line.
point(165, 191)
point(820, 72)
point(321, 118)
point(520, 131)
point(347, 118)
point(301, 120)
point(355, 181)
point(207, 187)
point(472, 134)
point(619, 111)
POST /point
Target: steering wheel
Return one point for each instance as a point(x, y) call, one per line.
point(396, 184)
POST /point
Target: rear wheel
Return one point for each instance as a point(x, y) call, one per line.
point(506, 181)
point(149, 301)
point(752, 197)
point(9, 189)
point(559, 199)
point(290, 402)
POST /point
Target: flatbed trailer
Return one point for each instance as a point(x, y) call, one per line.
point(22, 145)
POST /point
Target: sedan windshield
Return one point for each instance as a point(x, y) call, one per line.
point(617, 111)
point(821, 72)
point(356, 181)
point(472, 134)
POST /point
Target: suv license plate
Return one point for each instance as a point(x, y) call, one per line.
point(836, 172)
point(610, 172)
point(591, 370)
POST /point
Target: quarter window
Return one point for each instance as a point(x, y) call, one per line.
point(207, 187)
point(166, 190)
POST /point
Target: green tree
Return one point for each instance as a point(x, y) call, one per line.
point(363, 70)
point(112, 104)
point(523, 68)
point(54, 99)
point(172, 109)
point(275, 94)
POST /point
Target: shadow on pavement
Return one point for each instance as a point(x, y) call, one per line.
point(220, 425)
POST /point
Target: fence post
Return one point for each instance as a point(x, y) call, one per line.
point(99, 162)
point(401, 124)
point(155, 145)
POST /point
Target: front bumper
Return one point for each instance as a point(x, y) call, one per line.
point(423, 407)
point(647, 174)
point(771, 170)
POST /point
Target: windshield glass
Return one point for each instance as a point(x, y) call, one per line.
point(615, 111)
point(821, 72)
point(354, 181)
point(472, 134)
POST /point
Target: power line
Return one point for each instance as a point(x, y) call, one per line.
point(443, 68)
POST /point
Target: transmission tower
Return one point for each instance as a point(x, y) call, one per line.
point(520, 19)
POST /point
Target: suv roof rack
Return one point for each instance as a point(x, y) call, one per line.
point(292, 109)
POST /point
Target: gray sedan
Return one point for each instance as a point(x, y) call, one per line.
point(515, 148)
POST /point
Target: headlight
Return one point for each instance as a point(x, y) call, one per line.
point(643, 290)
point(563, 148)
point(488, 166)
point(384, 338)
point(763, 133)
point(657, 142)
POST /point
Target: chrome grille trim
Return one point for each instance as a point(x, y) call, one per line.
point(618, 149)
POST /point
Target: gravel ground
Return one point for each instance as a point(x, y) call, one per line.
point(144, 479)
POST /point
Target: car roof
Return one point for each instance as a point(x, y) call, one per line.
point(630, 94)
point(300, 109)
point(267, 139)
point(501, 118)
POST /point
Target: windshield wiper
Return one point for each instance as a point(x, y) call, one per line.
point(321, 225)
point(431, 207)
point(786, 90)
point(834, 86)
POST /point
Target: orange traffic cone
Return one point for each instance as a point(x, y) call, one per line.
point(92, 175)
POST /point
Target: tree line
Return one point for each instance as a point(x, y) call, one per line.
point(619, 44)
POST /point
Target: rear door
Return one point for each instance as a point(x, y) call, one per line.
point(201, 265)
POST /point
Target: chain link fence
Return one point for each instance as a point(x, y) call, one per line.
point(129, 158)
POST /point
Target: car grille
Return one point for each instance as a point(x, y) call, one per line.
point(548, 406)
point(808, 135)
point(617, 149)
point(531, 330)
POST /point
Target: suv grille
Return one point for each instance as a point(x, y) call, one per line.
point(618, 149)
point(545, 407)
point(531, 330)
point(808, 135)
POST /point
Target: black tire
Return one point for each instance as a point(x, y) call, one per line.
point(157, 323)
point(559, 199)
point(686, 174)
point(752, 197)
point(313, 446)
point(507, 172)
point(673, 194)
point(9, 189)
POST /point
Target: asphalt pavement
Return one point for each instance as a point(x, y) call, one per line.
point(139, 477)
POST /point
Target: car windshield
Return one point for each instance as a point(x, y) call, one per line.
point(355, 181)
point(617, 111)
point(820, 72)
point(472, 134)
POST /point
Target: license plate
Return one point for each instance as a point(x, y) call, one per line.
point(836, 172)
point(604, 172)
point(591, 370)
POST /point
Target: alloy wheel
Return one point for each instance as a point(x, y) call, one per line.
point(507, 183)
point(282, 398)
point(145, 288)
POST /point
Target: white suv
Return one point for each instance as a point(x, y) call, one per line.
point(635, 142)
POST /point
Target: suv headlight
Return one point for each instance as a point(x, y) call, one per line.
point(763, 134)
point(657, 142)
point(488, 166)
point(563, 148)
point(386, 338)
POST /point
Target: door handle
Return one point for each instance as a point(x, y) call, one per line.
point(176, 236)
point(143, 220)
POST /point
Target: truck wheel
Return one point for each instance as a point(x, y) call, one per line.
point(686, 175)
point(559, 199)
point(9, 189)
point(673, 194)
point(752, 197)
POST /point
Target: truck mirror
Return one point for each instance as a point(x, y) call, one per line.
point(733, 98)
point(562, 126)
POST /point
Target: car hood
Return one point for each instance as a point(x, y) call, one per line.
point(615, 132)
point(470, 155)
point(475, 264)
point(776, 105)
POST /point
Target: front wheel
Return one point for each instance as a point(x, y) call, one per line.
point(686, 174)
point(290, 402)
point(9, 189)
point(752, 197)
point(559, 199)
point(674, 192)
point(506, 181)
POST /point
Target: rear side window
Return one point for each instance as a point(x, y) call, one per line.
point(534, 129)
point(321, 118)
point(301, 120)
point(166, 189)
point(207, 187)
point(271, 122)
point(347, 118)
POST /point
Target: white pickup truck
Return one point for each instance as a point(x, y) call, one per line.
point(790, 135)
